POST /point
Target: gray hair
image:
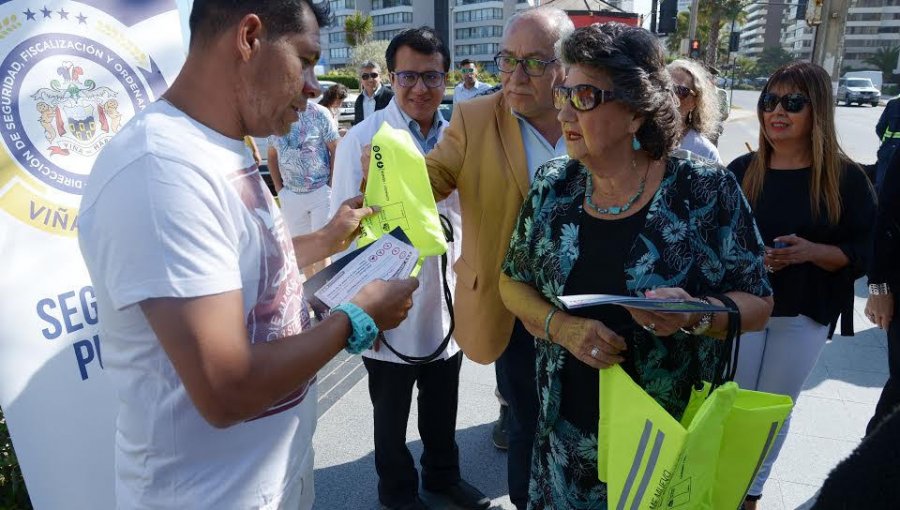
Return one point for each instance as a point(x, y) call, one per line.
point(558, 21)
point(365, 64)
point(706, 116)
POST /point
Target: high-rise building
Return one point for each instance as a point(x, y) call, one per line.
point(471, 28)
point(871, 24)
point(762, 29)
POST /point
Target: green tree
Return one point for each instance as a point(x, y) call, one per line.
point(718, 12)
point(885, 60)
point(705, 16)
point(358, 28)
point(13, 495)
point(771, 59)
point(745, 67)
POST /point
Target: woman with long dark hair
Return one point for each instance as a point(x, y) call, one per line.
point(814, 208)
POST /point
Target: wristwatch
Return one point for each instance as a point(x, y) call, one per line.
point(364, 328)
point(704, 324)
point(879, 289)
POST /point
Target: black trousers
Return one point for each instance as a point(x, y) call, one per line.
point(390, 388)
point(890, 395)
point(518, 385)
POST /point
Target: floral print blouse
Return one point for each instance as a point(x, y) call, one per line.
point(699, 235)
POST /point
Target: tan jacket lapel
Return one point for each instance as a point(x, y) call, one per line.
point(511, 137)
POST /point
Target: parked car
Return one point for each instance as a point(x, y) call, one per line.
point(857, 90)
point(446, 107)
point(347, 107)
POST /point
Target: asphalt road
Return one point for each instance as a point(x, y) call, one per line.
point(855, 126)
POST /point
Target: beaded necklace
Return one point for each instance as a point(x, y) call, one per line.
point(615, 210)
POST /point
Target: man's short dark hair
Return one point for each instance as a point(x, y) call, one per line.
point(466, 61)
point(422, 40)
point(279, 17)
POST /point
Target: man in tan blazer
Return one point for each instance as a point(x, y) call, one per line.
point(489, 154)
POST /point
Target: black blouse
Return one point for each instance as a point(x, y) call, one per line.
point(783, 208)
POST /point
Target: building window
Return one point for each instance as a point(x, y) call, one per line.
point(472, 2)
point(477, 49)
point(394, 18)
point(336, 37)
point(478, 15)
point(337, 5)
point(386, 35)
point(888, 30)
point(339, 53)
point(864, 16)
point(339, 21)
point(479, 32)
point(387, 4)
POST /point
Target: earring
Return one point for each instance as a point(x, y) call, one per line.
point(635, 143)
point(690, 118)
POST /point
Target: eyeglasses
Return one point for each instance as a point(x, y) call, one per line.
point(467, 70)
point(792, 103)
point(431, 79)
point(531, 66)
point(583, 98)
point(366, 76)
point(683, 92)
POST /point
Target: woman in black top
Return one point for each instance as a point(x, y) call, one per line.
point(814, 208)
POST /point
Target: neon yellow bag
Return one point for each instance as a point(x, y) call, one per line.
point(398, 183)
point(705, 462)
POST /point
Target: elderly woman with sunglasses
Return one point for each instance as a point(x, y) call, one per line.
point(698, 104)
point(815, 209)
point(620, 215)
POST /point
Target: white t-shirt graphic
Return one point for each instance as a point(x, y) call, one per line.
point(175, 209)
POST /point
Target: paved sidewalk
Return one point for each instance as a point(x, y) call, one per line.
point(829, 420)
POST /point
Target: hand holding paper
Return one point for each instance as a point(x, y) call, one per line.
point(387, 302)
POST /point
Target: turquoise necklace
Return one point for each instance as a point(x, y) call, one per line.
point(615, 210)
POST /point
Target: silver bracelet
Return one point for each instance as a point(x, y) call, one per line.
point(879, 289)
point(704, 324)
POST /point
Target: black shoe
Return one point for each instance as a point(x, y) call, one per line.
point(499, 436)
point(416, 504)
point(464, 496)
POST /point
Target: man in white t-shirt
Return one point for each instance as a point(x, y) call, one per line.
point(470, 86)
point(197, 281)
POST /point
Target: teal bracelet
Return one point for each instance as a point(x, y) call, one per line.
point(550, 315)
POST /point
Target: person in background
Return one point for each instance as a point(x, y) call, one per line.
point(470, 86)
point(417, 61)
point(207, 335)
point(815, 209)
point(888, 130)
point(884, 280)
point(373, 96)
point(698, 105)
point(621, 215)
point(301, 163)
point(332, 99)
point(489, 153)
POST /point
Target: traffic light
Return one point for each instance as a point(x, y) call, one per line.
point(695, 49)
point(734, 42)
point(668, 14)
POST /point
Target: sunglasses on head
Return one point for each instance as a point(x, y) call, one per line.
point(582, 97)
point(683, 92)
point(792, 103)
point(366, 76)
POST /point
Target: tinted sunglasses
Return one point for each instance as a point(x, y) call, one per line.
point(683, 92)
point(366, 76)
point(582, 97)
point(792, 103)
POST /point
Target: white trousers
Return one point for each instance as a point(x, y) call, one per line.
point(778, 359)
point(305, 212)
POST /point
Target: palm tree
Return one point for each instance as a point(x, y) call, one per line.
point(885, 60)
point(720, 11)
point(358, 28)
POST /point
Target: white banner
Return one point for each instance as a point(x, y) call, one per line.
point(71, 75)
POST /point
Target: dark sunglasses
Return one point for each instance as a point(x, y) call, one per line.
point(366, 76)
point(683, 92)
point(792, 103)
point(582, 97)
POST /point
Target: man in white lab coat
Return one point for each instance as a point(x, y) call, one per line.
point(417, 61)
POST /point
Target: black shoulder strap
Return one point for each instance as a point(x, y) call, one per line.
point(448, 299)
point(729, 363)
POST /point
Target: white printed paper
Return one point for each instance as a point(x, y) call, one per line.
point(642, 303)
point(388, 258)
